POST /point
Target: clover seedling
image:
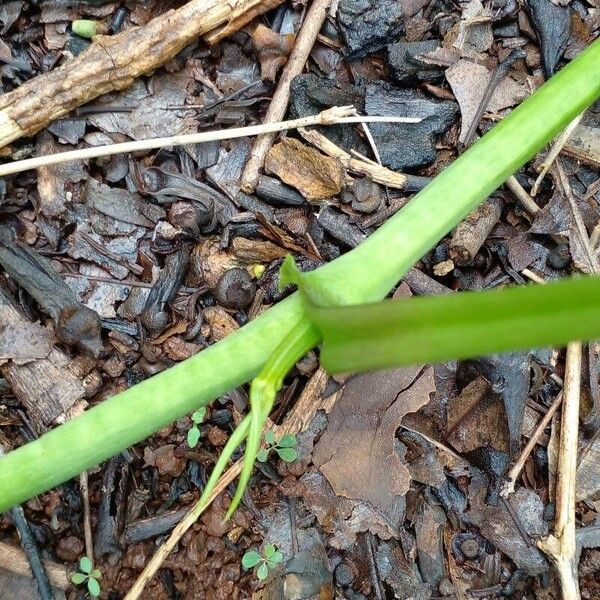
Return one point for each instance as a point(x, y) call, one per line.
point(87, 573)
point(285, 447)
point(271, 558)
point(193, 435)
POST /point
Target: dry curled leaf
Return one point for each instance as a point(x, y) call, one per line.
point(273, 50)
point(356, 452)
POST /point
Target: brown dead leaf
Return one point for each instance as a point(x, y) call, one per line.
point(476, 418)
point(208, 263)
point(313, 174)
point(468, 81)
point(177, 349)
point(588, 471)
point(273, 50)
point(498, 526)
point(356, 452)
point(343, 518)
point(585, 144)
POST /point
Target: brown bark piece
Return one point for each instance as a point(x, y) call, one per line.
point(47, 386)
point(313, 174)
point(221, 322)
point(470, 235)
point(356, 452)
point(253, 251)
point(114, 62)
point(54, 181)
point(13, 559)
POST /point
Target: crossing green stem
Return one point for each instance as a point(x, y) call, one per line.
point(363, 275)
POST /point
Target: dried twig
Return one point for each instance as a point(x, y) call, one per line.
point(370, 169)
point(561, 140)
point(523, 197)
point(304, 43)
point(532, 276)
point(561, 547)
point(114, 62)
point(509, 485)
point(331, 116)
point(593, 265)
point(496, 77)
point(75, 411)
point(297, 420)
point(87, 526)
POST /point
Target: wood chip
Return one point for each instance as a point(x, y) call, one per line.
point(313, 174)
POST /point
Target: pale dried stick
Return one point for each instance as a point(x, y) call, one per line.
point(315, 17)
point(373, 171)
point(508, 487)
point(561, 140)
point(331, 116)
point(533, 276)
point(295, 421)
point(15, 560)
point(595, 235)
point(561, 547)
point(87, 526)
point(114, 62)
point(73, 412)
point(593, 264)
point(523, 197)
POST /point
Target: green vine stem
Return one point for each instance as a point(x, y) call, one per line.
point(364, 275)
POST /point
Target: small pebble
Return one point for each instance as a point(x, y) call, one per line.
point(217, 437)
point(446, 588)
point(470, 548)
point(235, 289)
point(344, 575)
point(221, 416)
point(560, 257)
point(69, 549)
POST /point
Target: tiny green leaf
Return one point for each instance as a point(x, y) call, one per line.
point(269, 550)
point(287, 454)
point(262, 455)
point(78, 578)
point(85, 565)
point(251, 559)
point(288, 441)
point(193, 437)
point(93, 587)
point(262, 571)
point(269, 437)
point(198, 416)
point(275, 559)
point(84, 28)
point(96, 574)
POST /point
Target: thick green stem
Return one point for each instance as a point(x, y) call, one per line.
point(365, 274)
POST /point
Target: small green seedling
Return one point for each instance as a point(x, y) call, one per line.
point(271, 558)
point(285, 447)
point(193, 435)
point(87, 573)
